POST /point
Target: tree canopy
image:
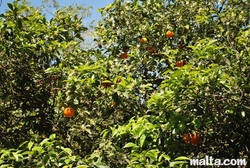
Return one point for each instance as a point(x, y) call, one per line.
point(164, 80)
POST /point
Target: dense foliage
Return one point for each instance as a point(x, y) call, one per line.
point(161, 70)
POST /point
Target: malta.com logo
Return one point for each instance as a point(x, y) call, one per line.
point(210, 161)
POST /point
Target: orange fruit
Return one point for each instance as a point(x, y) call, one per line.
point(124, 55)
point(106, 84)
point(143, 40)
point(187, 137)
point(69, 112)
point(170, 34)
point(180, 63)
point(195, 139)
point(119, 80)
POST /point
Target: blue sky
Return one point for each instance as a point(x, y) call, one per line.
point(94, 3)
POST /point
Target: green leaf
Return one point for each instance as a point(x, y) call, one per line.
point(51, 70)
point(114, 132)
point(39, 149)
point(45, 159)
point(153, 154)
point(6, 166)
point(101, 165)
point(243, 114)
point(15, 155)
point(10, 6)
point(142, 140)
point(197, 123)
point(182, 127)
point(104, 133)
point(27, 153)
point(19, 22)
point(131, 145)
point(30, 145)
point(246, 88)
point(82, 166)
point(52, 136)
point(67, 150)
point(182, 158)
point(166, 157)
point(53, 154)
point(116, 98)
point(22, 144)
point(46, 140)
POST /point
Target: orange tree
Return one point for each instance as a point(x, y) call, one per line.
point(161, 72)
point(208, 91)
point(29, 45)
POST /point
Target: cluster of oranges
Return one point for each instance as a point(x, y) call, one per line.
point(169, 34)
point(193, 139)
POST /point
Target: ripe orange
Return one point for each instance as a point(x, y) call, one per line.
point(170, 34)
point(195, 139)
point(69, 112)
point(124, 55)
point(119, 80)
point(143, 40)
point(180, 63)
point(105, 85)
point(187, 137)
